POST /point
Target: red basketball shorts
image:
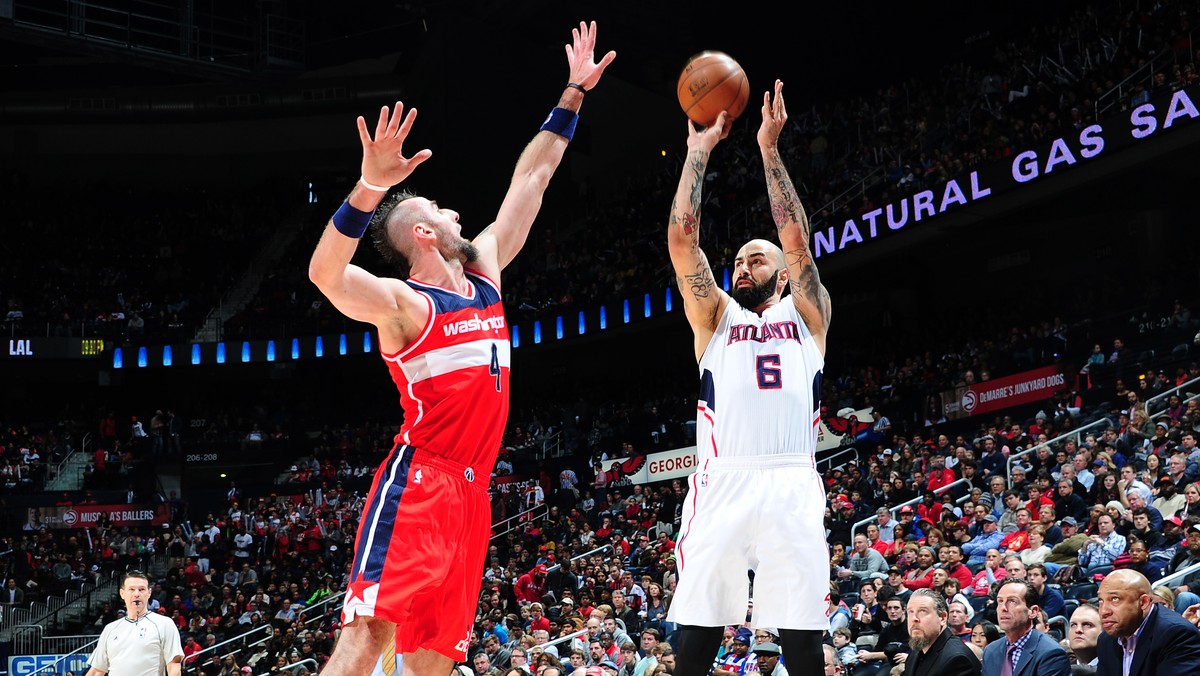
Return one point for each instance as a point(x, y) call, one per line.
point(419, 555)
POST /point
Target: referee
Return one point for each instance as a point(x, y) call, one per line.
point(141, 643)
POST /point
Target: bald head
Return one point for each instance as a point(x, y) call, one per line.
point(757, 246)
point(760, 275)
point(1125, 601)
point(1126, 579)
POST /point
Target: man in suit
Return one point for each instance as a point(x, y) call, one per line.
point(1024, 651)
point(935, 649)
point(1149, 638)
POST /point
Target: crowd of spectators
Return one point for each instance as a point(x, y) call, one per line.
point(308, 523)
point(1125, 497)
point(240, 567)
point(26, 452)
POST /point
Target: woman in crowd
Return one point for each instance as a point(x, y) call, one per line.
point(1191, 504)
point(1154, 469)
point(657, 604)
point(934, 539)
point(984, 633)
point(1038, 550)
point(1105, 490)
point(229, 667)
point(1114, 509)
point(897, 549)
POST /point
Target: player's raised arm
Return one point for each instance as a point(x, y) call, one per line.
point(703, 300)
point(355, 292)
point(500, 242)
point(808, 294)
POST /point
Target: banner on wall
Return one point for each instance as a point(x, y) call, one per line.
point(1000, 393)
point(844, 429)
point(86, 516)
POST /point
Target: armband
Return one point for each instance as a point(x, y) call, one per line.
point(562, 122)
point(371, 186)
point(350, 221)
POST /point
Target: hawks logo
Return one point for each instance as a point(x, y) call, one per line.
point(848, 427)
point(969, 402)
point(618, 473)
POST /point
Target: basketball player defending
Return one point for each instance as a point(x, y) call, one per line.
point(423, 535)
point(760, 359)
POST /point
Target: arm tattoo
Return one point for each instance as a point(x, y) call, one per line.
point(690, 224)
point(688, 216)
point(787, 211)
point(807, 284)
point(785, 204)
point(701, 283)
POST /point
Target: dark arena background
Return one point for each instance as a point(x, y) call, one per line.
point(1001, 204)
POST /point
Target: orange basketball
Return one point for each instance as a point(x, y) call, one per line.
point(711, 82)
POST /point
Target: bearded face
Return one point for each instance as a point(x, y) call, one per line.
point(755, 294)
point(454, 246)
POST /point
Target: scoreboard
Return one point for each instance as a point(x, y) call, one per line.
point(30, 349)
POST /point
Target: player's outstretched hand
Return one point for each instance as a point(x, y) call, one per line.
point(707, 138)
point(383, 160)
point(774, 116)
point(581, 56)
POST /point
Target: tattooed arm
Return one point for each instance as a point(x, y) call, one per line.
point(703, 300)
point(808, 293)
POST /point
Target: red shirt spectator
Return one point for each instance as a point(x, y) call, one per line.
point(939, 476)
point(532, 585)
point(190, 648)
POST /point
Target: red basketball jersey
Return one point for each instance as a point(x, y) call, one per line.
point(453, 379)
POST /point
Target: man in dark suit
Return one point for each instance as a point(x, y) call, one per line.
point(935, 649)
point(1025, 651)
point(1161, 641)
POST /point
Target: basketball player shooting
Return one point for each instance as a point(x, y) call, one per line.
point(423, 535)
point(760, 357)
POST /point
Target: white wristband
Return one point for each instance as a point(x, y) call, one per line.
point(371, 186)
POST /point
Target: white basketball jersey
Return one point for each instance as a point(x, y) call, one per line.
point(760, 385)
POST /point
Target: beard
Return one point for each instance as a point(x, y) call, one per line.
point(756, 294)
point(453, 246)
point(467, 251)
point(921, 643)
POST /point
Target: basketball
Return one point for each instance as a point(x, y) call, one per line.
point(711, 82)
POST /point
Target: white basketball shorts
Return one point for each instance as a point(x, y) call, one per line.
point(760, 513)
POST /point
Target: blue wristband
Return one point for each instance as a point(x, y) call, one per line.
point(352, 222)
point(562, 122)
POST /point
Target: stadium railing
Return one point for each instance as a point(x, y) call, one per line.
point(1166, 394)
point(1168, 580)
point(506, 526)
point(193, 662)
point(1050, 443)
point(895, 510)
